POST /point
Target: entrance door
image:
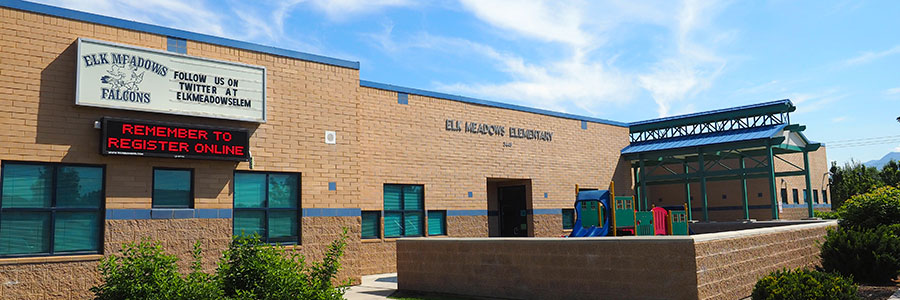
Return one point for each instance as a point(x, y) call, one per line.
point(513, 214)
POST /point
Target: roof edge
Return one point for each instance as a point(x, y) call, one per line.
point(469, 100)
point(166, 31)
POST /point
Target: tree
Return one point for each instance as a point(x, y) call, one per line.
point(853, 178)
point(890, 174)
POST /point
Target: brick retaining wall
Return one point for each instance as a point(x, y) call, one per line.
point(707, 266)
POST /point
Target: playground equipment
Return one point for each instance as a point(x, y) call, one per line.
point(596, 216)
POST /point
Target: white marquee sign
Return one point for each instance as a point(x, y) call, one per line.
point(117, 76)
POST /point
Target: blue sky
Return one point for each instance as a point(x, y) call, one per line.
point(620, 60)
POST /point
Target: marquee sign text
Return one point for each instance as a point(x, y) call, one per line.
point(148, 138)
point(124, 77)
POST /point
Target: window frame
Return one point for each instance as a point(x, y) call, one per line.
point(378, 232)
point(427, 219)
point(824, 196)
point(100, 210)
point(266, 209)
point(193, 196)
point(784, 196)
point(176, 45)
point(815, 195)
point(404, 211)
point(796, 195)
point(563, 214)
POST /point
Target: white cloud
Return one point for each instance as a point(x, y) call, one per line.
point(838, 119)
point(551, 21)
point(341, 10)
point(587, 77)
point(892, 92)
point(811, 102)
point(870, 56)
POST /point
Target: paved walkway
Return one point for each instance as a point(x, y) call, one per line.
point(377, 286)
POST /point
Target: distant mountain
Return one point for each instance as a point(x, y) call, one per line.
point(884, 160)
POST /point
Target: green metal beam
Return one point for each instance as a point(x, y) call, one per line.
point(795, 127)
point(772, 184)
point(703, 187)
point(705, 174)
point(687, 191)
point(791, 173)
point(744, 190)
point(774, 108)
point(808, 192)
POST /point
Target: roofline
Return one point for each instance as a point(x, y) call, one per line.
point(469, 100)
point(784, 105)
point(166, 31)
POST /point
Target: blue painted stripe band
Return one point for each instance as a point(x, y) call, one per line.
point(547, 211)
point(399, 89)
point(193, 36)
point(467, 212)
point(737, 207)
point(168, 213)
point(211, 213)
point(332, 212)
point(805, 206)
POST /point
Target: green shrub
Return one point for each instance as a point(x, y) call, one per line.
point(252, 270)
point(828, 215)
point(878, 207)
point(869, 255)
point(803, 284)
point(249, 269)
point(145, 272)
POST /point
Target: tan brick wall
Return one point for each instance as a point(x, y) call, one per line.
point(730, 263)
point(550, 268)
point(409, 144)
point(55, 280)
point(548, 225)
point(40, 122)
point(758, 193)
point(467, 226)
point(707, 266)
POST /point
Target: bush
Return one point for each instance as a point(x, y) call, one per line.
point(252, 270)
point(145, 272)
point(878, 207)
point(803, 284)
point(828, 215)
point(249, 269)
point(869, 255)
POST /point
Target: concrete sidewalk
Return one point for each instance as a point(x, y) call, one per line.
point(377, 286)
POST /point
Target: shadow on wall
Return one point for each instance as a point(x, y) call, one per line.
point(622, 178)
point(61, 122)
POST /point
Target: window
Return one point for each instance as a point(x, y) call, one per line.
point(267, 204)
point(51, 209)
point(568, 218)
point(784, 198)
point(815, 194)
point(796, 197)
point(437, 222)
point(805, 200)
point(173, 188)
point(371, 224)
point(403, 210)
point(825, 196)
point(176, 45)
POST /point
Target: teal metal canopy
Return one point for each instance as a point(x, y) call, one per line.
point(703, 146)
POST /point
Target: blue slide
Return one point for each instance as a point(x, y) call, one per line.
point(596, 195)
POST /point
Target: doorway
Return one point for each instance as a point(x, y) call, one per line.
point(513, 214)
point(508, 207)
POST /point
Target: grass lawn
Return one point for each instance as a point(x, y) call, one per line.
point(421, 296)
